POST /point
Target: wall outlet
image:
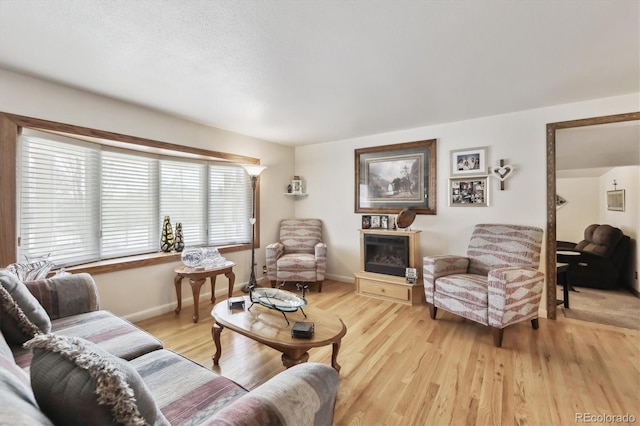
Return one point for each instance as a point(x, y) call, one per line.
point(636, 275)
point(264, 270)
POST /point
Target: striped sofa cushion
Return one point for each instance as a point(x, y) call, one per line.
point(186, 392)
point(115, 335)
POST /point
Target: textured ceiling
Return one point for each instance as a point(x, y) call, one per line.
point(302, 72)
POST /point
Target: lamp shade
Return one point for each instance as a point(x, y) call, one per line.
point(254, 169)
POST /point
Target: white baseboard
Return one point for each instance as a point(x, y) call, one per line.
point(187, 304)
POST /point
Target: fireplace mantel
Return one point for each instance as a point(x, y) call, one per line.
point(390, 287)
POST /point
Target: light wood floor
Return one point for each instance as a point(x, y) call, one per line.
point(399, 367)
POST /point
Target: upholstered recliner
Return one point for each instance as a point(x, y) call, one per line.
point(299, 255)
point(604, 253)
point(497, 284)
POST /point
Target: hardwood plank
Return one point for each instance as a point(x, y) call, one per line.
point(400, 367)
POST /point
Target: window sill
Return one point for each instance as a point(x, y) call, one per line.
point(140, 261)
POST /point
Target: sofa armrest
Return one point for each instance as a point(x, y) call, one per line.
point(66, 295)
point(514, 295)
point(434, 267)
point(301, 395)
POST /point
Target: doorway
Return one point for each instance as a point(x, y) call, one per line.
point(551, 234)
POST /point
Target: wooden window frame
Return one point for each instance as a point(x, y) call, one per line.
point(10, 128)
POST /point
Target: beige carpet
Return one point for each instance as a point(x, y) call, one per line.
point(619, 308)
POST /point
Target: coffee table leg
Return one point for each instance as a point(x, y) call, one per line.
point(216, 329)
point(334, 356)
point(289, 362)
point(177, 282)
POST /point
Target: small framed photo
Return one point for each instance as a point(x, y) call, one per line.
point(384, 222)
point(375, 221)
point(366, 222)
point(411, 275)
point(296, 186)
point(471, 161)
point(469, 192)
point(615, 200)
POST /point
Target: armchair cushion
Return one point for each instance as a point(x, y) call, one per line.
point(300, 235)
point(297, 262)
point(600, 240)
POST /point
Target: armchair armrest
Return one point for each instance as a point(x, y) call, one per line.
point(66, 295)
point(320, 251)
point(434, 267)
point(301, 395)
point(514, 295)
point(273, 252)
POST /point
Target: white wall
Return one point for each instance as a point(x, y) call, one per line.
point(519, 138)
point(148, 291)
point(328, 172)
point(582, 207)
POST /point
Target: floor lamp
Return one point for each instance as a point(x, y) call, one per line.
point(253, 170)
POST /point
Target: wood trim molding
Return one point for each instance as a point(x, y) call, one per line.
point(11, 126)
point(551, 233)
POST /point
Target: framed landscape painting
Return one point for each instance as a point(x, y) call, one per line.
point(390, 178)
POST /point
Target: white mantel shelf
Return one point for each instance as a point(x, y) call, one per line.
point(390, 287)
point(296, 194)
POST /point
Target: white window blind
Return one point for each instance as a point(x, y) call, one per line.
point(229, 205)
point(183, 197)
point(129, 204)
point(58, 191)
point(81, 202)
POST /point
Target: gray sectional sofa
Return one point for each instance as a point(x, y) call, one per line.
point(65, 361)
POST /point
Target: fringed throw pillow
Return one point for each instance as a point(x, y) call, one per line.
point(76, 381)
point(21, 315)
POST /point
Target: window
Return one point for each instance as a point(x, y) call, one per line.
point(81, 202)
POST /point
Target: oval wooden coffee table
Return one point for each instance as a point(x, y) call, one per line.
point(270, 328)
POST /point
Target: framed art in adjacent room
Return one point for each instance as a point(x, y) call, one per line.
point(560, 202)
point(469, 192)
point(472, 161)
point(615, 200)
point(390, 178)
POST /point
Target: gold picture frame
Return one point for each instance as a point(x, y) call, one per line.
point(390, 178)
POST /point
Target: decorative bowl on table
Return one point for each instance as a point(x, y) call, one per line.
point(202, 257)
point(279, 300)
point(192, 257)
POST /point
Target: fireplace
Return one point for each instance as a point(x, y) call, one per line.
point(386, 254)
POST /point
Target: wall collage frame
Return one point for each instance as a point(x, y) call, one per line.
point(469, 181)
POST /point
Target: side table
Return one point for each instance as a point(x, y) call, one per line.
point(561, 274)
point(572, 258)
point(197, 277)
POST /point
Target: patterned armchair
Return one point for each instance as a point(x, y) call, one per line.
point(497, 284)
point(299, 255)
